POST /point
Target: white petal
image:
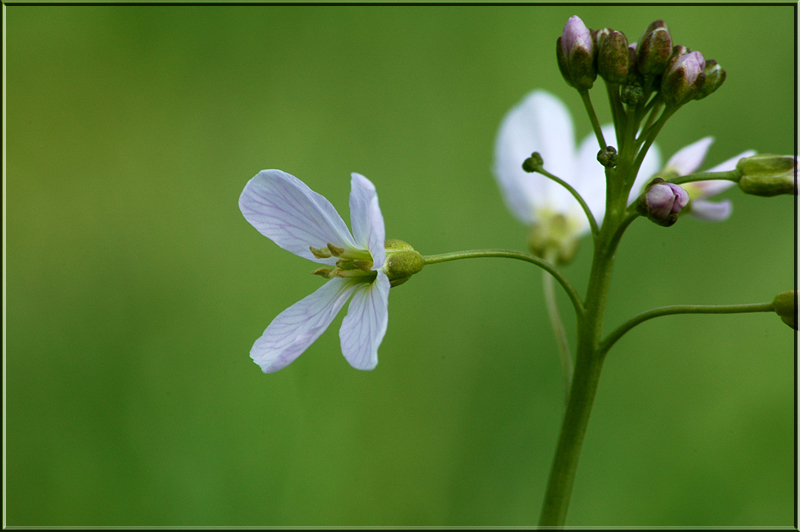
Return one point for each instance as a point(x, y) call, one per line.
point(539, 123)
point(296, 328)
point(292, 215)
point(689, 158)
point(366, 219)
point(650, 165)
point(712, 211)
point(730, 164)
point(365, 324)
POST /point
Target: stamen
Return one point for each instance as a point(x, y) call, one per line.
point(363, 265)
point(323, 253)
point(335, 251)
point(323, 272)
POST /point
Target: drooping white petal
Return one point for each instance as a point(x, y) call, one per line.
point(650, 165)
point(366, 219)
point(292, 215)
point(539, 123)
point(712, 211)
point(689, 158)
point(297, 327)
point(365, 324)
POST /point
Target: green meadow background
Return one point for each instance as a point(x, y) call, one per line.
point(135, 288)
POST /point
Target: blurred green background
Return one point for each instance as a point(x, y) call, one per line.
point(135, 288)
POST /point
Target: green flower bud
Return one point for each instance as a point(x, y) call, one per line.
point(534, 163)
point(402, 261)
point(654, 49)
point(785, 305)
point(715, 77)
point(612, 56)
point(607, 157)
point(768, 175)
point(632, 93)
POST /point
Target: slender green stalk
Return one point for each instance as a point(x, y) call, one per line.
point(509, 254)
point(598, 131)
point(558, 330)
point(618, 113)
point(733, 175)
point(586, 210)
point(584, 382)
point(620, 331)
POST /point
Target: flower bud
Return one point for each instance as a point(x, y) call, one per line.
point(785, 305)
point(631, 93)
point(612, 56)
point(683, 77)
point(654, 49)
point(715, 77)
point(607, 157)
point(575, 52)
point(768, 175)
point(402, 261)
point(662, 202)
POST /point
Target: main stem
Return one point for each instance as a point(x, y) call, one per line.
point(584, 381)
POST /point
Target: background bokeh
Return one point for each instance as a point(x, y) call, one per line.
point(135, 288)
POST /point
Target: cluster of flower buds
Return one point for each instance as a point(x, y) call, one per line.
point(679, 74)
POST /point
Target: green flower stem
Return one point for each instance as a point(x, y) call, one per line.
point(558, 328)
point(733, 175)
point(576, 195)
point(587, 102)
point(588, 366)
point(509, 254)
point(620, 331)
point(650, 136)
point(618, 113)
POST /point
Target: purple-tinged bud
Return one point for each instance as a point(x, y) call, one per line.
point(662, 202)
point(612, 56)
point(785, 306)
point(768, 175)
point(654, 49)
point(575, 52)
point(683, 78)
point(715, 77)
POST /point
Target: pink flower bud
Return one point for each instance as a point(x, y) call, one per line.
point(683, 77)
point(575, 52)
point(662, 202)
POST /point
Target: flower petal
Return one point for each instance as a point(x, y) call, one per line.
point(297, 327)
point(539, 123)
point(689, 158)
point(711, 211)
point(366, 219)
point(292, 215)
point(365, 324)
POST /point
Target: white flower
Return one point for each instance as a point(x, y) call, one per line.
point(298, 219)
point(686, 161)
point(543, 124)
